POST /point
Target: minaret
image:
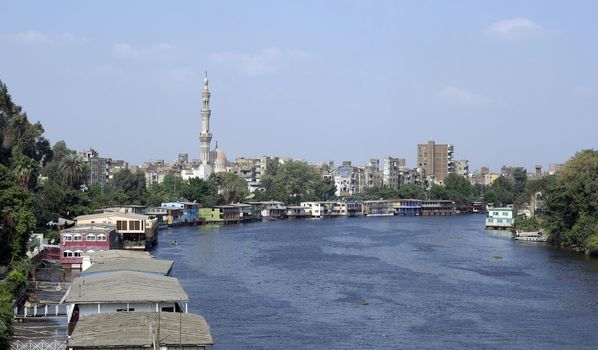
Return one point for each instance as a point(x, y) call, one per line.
point(206, 136)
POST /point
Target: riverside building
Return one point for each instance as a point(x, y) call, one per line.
point(435, 160)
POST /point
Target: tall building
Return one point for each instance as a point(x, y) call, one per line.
point(390, 171)
point(462, 167)
point(435, 160)
point(345, 180)
point(205, 137)
point(96, 166)
point(211, 161)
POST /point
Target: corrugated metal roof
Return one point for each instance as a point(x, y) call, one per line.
point(125, 286)
point(139, 329)
point(130, 264)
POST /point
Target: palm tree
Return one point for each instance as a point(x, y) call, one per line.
point(72, 169)
point(25, 170)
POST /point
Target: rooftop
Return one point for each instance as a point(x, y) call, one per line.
point(134, 329)
point(125, 286)
point(112, 214)
point(117, 253)
point(161, 267)
point(99, 227)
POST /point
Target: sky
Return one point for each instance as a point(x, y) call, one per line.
point(505, 82)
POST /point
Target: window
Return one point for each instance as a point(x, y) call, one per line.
point(102, 238)
point(67, 238)
point(134, 225)
point(77, 238)
point(77, 253)
point(90, 238)
point(168, 309)
point(67, 254)
point(121, 225)
point(124, 309)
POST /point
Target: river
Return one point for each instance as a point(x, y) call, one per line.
point(383, 283)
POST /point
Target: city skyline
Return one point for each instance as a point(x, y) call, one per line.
point(506, 84)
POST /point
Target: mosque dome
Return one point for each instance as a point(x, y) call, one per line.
point(219, 160)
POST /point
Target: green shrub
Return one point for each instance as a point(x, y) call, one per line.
point(23, 266)
point(15, 281)
point(579, 236)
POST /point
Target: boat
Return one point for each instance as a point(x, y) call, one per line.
point(530, 236)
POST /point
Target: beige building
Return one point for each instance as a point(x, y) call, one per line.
point(435, 160)
point(138, 231)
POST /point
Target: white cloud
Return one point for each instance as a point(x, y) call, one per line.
point(127, 51)
point(265, 61)
point(462, 97)
point(32, 37)
point(124, 51)
point(513, 27)
point(183, 76)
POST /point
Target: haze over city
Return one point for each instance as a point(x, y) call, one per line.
point(508, 83)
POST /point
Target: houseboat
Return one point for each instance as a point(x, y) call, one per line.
point(378, 208)
point(532, 236)
point(438, 207)
point(137, 231)
point(408, 207)
point(499, 218)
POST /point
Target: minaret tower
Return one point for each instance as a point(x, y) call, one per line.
point(206, 136)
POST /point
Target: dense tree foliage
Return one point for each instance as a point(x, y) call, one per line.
point(501, 192)
point(294, 182)
point(23, 150)
point(438, 192)
point(571, 203)
point(412, 190)
point(132, 185)
point(459, 190)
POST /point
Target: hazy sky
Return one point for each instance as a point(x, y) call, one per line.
point(506, 82)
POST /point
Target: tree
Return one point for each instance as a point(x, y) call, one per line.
point(459, 190)
point(17, 218)
point(413, 191)
point(25, 170)
point(325, 190)
point(24, 138)
point(72, 170)
point(500, 192)
point(438, 192)
point(519, 176)
point(204, 192)
point(232, 187)
point(294, 182)
point(131, 185)
point(571, 203)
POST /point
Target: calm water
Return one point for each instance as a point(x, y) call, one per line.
point(383, 283)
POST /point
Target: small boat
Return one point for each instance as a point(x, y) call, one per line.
point(531, 236)
point(175, 242)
